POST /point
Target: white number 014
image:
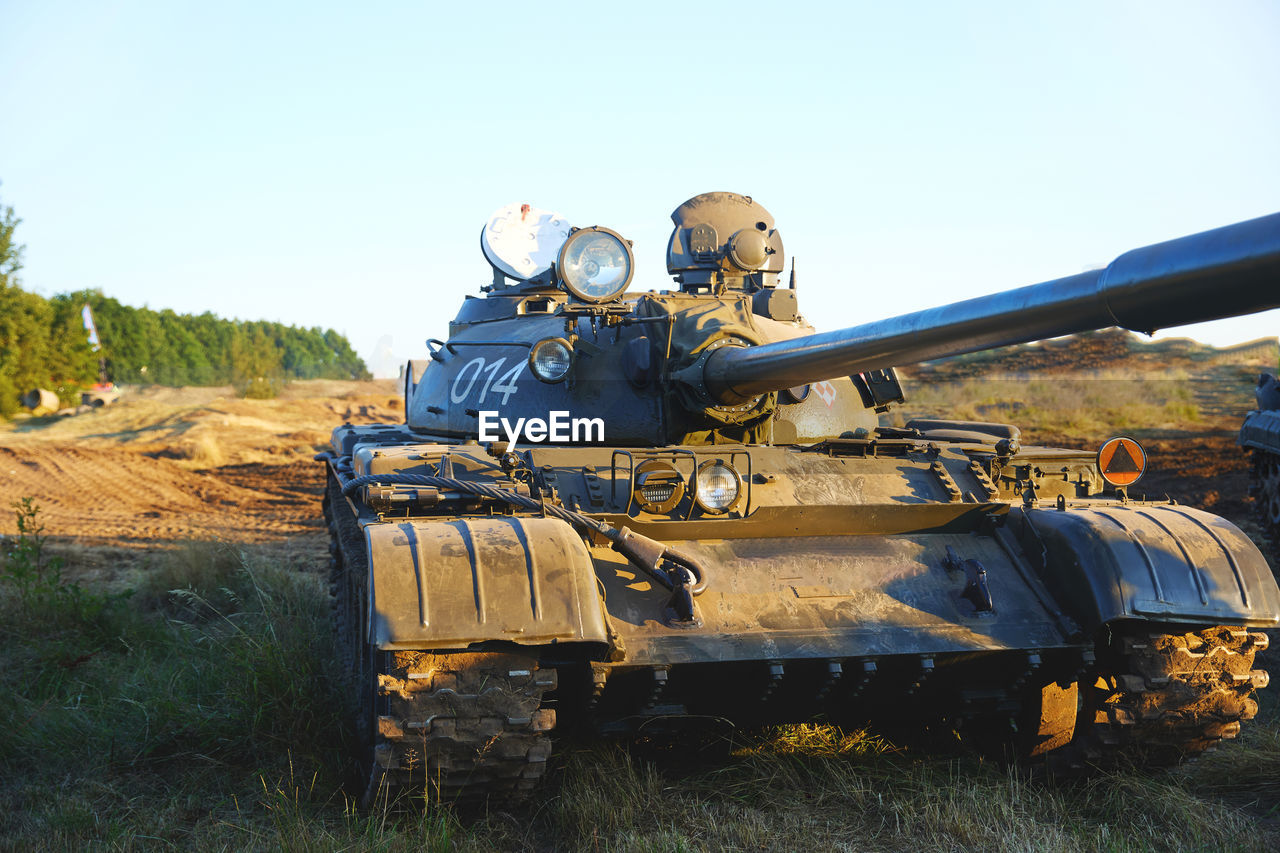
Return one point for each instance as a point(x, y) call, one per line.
point(471, 372)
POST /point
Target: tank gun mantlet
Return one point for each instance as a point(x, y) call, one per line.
point(697, 326)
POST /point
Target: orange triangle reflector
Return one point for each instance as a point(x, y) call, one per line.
point(1121, 461)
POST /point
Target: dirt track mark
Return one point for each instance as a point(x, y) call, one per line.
point(118, 496)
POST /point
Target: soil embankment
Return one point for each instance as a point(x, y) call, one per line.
point(165, 465)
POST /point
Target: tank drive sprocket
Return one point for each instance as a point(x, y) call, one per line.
point(1157, 698)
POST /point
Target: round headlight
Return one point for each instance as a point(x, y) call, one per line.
point(717, 486)
point(595, 264)
point(659, 486)
point(550, 359)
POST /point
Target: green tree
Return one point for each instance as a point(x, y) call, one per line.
point(25, 321)
point(255, 358)
point(43, 343)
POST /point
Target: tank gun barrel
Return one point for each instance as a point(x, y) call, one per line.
point(1225, 272)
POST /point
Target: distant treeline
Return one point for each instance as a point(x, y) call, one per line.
point(43, 344)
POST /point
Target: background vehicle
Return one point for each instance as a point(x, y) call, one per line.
point(1261, 435)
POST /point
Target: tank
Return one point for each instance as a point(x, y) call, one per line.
point(1260, 436)
point(637, 513)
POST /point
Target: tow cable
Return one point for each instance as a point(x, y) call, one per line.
point(671, 568)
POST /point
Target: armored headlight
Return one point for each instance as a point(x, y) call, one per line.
point(595, 264)
point(717, 487)
point(550, 359)
point(659, 486)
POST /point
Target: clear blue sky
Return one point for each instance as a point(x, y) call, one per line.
point(332, 165)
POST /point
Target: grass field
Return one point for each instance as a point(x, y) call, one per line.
point(199, 714)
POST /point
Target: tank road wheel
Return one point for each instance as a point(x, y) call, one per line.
point(1264, 485)
point(1155, 698)
point(459, 726)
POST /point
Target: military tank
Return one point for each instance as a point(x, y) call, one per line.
point(616, 513)
point(1260, 435)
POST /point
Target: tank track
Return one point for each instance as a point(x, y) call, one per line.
point(448, 725)
point(347, 579)
point(1264, 488)
point(1159, 698)
point(461, 726)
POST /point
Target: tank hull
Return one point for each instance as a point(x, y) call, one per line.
point(855, 582)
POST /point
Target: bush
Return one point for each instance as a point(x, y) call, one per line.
point(37, 579)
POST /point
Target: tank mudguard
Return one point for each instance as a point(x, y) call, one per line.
point(449, 584)
point(1161, 563)
point(1261, 431)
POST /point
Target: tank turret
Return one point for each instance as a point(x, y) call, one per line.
point(728, 357)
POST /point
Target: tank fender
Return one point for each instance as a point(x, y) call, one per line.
point(1160, 563)
point(448, 584)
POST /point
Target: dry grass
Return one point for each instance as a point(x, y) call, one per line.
point(782, 794)
point(202, 450)
point(1086, 406)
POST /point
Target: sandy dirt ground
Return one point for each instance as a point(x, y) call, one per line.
point(170, 464)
